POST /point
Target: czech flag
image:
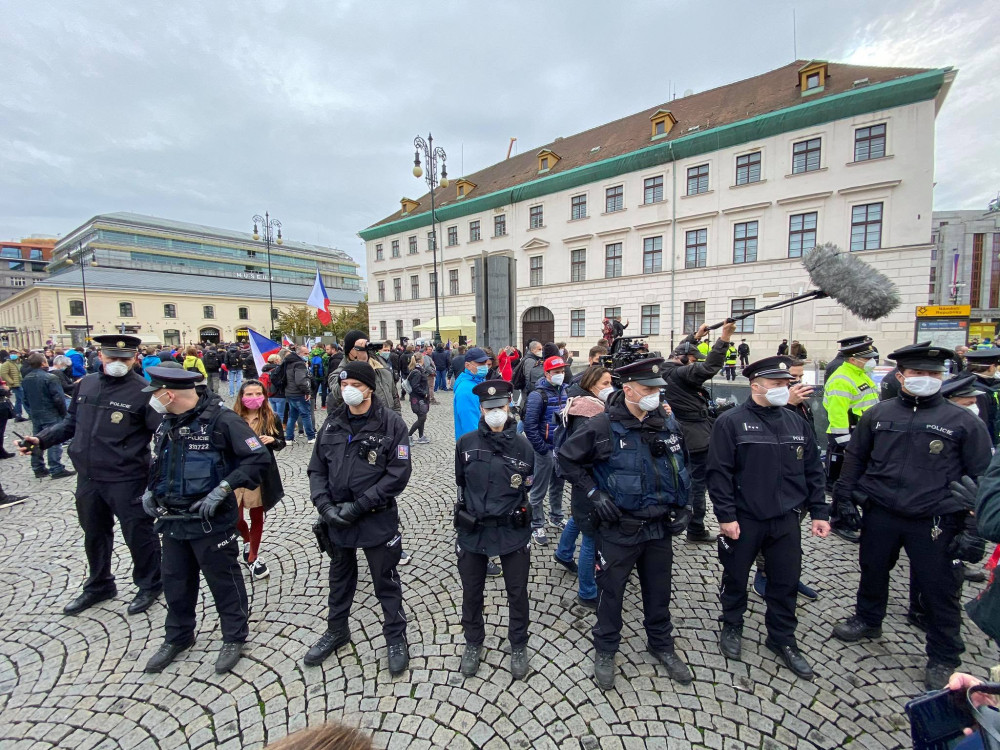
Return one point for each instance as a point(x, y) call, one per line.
point(262, 348)
point(319, 299)
point(286, 342)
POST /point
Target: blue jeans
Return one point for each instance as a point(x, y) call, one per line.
point(235, 381)
point(588, 583)
point(299, 408)
point(545, 480)
point(441, 380)
point(278, 406)
point(18, 393)
point(54, 454)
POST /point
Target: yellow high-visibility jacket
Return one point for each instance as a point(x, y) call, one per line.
point(846, 396)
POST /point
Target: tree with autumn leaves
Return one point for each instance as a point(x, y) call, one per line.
point(300, 320)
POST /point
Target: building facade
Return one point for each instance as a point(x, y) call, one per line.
point(688, 212)
point(26, 263)
point(965, 266)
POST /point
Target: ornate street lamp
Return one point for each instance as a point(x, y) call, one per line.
point(269, 226)
point(431, 156)
point(79, 257)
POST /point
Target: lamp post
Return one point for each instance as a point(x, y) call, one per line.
point(268, 225)
point(431, 156)
point(79, 258)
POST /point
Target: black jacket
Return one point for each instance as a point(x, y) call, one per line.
point(297, 381)
point(113, 425)
point(43, 396)
point(494, 471)
point(986, 400)
point(371, 464)
point(905, 451)
point(578, 498)
point(418, 384)
point(442, 359)
point(763, 462)
point(686, 394)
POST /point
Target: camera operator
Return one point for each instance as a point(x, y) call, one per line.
point(693, 408)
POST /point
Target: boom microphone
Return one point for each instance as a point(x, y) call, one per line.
point(850, 281)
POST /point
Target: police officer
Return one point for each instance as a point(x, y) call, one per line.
point(764, 469)
point(837, 361)
point(360, 465)
point(685, 376)
point(983, 364)
point(847, 394)
point(493, 471)
point(109, 417)
point(731, 358)
point(899, 463)
point(629, 464)
point(203, 452)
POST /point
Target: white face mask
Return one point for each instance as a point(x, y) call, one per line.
point(352, 395)
point(973, 408)
point(158, 406)
point(116, 369)
point(558, 379)
point(922, 385)
point(605, 393)
point(869, 365)
point(646, 403)
point(777, 396)
point(496, 418)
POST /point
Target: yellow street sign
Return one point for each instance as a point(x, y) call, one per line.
point(944, 311)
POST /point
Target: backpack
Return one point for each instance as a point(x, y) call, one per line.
point(211, 360)
point(317, 367)
point(519, 378)
point(232, 359)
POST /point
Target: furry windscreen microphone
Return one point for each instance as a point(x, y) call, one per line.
point(850, 281)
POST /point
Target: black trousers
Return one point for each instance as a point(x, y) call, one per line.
point(939, 582)
point(215, 557)
point(779, 539)
point(472, 571)
point(614, 562)
point(834, 463)
point(696, 468)
point(744, 360)
point(382, 562)
point(97, 506)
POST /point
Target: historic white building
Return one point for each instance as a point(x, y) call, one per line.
point(688, 212)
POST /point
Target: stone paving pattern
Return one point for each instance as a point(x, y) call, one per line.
point(77, 682)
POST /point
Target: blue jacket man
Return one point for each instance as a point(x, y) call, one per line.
point(466, 405)
point(79, 366)
point(544, 402)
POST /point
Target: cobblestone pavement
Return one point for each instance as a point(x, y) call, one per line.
point(77, 682)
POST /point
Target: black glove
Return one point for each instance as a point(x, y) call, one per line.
point(681, 519)
point(965, 492)
point(207, 506)
point(343, 515)
point(149, 504)
point(967, 545)
point(605, 507)
point(847, 515)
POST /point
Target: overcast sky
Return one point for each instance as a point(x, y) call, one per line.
point(214, 110)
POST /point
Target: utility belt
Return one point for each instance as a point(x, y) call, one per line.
point(466, 521)
point(630, 526)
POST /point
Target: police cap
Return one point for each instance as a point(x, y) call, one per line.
point(922, 356)
point(770, 367)
point(687, 349)
point(118, 344)
point(493, 393)
point(647, 371)
point(983, 356)
point(857, 346)
point(852, 340)
point(172, 378)
point(960, 386)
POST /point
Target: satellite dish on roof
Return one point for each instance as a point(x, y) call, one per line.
point(688, 92)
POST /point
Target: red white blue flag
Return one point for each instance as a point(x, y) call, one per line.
point(319, 299)
point(262, 348)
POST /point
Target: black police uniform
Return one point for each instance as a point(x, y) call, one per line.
point(641, 465)
point(194, 453)
point(112, 426)
point(899, 463)
point(764, 470)
point(363, 458)
point(493, 471)
point(840, 358)
point(988, 399)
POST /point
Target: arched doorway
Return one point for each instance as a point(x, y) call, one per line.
point(243, 335)
point(209, 335)
point(537, 324)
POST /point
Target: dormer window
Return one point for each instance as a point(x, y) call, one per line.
point(812, 77)
point(409, 205)
point(464, 187)
point(662, 121)
point(547, 159)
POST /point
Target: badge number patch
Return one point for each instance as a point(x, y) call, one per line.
point(403, 452)
point(254, 444)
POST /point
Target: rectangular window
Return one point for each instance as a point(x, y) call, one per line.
point(650, 325)
point(995, 272)
point(383, 331)
point(652, 189)
point(395, 248)
point(381, 291)
point(379, 253)
point(473, 231)
point(397, 289)
point(869, 143)
point(748, 168)
point(243, 313)
point(431, 241)
point(472, 277)
point(805, 156)
point(577, 323)
point(578, 265)
point(613, 313)
point(697, 180)
point(170, 311)
point(976, 280)
point(452, 236)
point(740, 306)
point(694, 316)
point(535, 277)
point(613, 260)
point(433, 283)
point(866, 227)
point(208, 311)
point(416, 326)
point(412, 242)
point(500, 225)
point(801, 234)
point(76, 307)
point(614, 199)
point(652, 255)
point(453, 281)
point(745, 242)
point(399, 330)
point(172, 337)
point(578, 207)
point(414, 287)
point(696, 248)
point(125, 309)
point(535, 217)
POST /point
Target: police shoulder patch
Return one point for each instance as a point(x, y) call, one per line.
point(403, 452)
point(254, 444)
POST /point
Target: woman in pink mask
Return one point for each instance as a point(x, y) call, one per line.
point(252, 405)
